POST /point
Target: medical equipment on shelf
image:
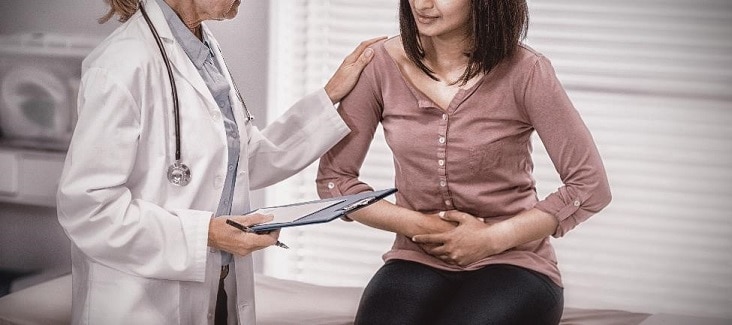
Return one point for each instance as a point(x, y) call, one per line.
point(39, 81)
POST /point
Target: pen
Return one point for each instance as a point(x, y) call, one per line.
point(247, 229)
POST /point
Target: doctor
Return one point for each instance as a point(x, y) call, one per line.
point(163, 153)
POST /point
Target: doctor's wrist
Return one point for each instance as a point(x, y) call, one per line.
point(212, 235)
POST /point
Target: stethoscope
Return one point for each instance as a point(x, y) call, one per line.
point(179, 173)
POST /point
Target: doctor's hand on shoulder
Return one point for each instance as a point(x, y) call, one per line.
point(344, 79)
point(227, 238)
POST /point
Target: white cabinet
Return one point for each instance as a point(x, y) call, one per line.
point(29, 176)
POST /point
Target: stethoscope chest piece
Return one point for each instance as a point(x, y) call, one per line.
point(179, 174)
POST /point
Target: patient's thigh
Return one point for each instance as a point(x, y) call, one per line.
point(403, 292)
point(503, 295)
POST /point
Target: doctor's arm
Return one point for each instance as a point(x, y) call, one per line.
point(308, 129)
point(343, 80)
point(96, 204)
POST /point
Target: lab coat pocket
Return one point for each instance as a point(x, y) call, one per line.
point(117, 297)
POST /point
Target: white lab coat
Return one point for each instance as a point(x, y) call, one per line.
point(139, 251)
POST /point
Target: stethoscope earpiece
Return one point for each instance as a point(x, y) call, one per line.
point(179, 174)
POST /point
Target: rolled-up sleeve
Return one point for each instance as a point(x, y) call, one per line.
point(585, 190)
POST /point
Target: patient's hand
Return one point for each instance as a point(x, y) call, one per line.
point(434, 224)
point(470, 240)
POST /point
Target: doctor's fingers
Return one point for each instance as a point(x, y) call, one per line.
point(345, 78)
point(356, 54)
point(247, 242)
point(262, 239)
point(253, 219)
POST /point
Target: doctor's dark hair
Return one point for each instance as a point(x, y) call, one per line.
point(122, 8)
point(497, 28)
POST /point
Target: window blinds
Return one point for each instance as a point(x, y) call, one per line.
point(310, 40)
point(652, 82)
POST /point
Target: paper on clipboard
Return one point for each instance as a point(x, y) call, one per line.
point(320, 211)
point(291, 213)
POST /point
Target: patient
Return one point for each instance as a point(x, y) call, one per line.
point(459, 96)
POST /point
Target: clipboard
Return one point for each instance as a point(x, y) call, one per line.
point(318, 211)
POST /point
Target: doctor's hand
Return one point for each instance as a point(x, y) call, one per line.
point(341, 83)
point(473, 239)
point(224, 237)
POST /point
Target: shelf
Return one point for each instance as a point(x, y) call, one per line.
point(30, 176)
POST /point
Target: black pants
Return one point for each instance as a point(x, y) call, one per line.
point(221, 313)
point(406, 293)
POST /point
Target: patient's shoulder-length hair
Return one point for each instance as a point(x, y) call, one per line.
point(498, 26)
point(123, 9)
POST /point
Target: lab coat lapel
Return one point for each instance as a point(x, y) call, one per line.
point(178, 58)
point(236, 105)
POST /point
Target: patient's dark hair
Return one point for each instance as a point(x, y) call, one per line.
point(124, 9)
point(497, 28)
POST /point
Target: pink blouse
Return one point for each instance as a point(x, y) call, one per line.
point(475, 156)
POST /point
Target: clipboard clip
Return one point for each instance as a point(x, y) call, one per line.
point(357, 204)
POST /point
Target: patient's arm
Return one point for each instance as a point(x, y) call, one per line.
point(473, 239)
point(387, 216)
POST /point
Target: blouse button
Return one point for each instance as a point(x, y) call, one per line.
point(444, 116)
point(576, 203)
point(441, 162)
point(442, 140)
point(331, 185)
point(443, 183)
point(448, 202)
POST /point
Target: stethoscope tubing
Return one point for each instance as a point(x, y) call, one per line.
point(174, 89)
point(179, 173)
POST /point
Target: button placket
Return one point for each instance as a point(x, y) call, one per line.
point(441, 159)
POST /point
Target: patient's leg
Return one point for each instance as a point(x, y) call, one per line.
point(403, 293)
point(504, 295)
